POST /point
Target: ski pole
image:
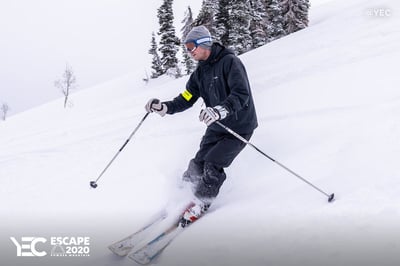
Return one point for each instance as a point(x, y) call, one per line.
point(330, 196)
point(93, 184)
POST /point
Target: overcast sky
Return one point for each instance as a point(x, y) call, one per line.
point(99, 39)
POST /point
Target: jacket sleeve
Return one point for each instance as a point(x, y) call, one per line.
point(238, 84)
point(186, 99)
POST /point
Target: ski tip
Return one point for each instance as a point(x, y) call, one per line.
point(331, 197)
point(121, 253)
point(142, 259)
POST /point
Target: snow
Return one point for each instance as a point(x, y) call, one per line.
point(328, 108)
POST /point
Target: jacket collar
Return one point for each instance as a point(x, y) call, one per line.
point(217, 52)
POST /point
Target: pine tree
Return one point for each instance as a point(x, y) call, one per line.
point(239, 36)
point(206, 16)
point(187, 22)
point(4, 109)
point(295, 14)
point(222, 21)
point(187, 26)
point(169, 43)
point(156, 64)
point(257, 26)
point(275, 20)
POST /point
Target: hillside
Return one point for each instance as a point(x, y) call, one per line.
point(327, 100)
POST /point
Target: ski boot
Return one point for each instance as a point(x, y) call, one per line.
point(193, 212)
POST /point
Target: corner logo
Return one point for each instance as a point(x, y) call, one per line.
point(27, 246)
point(58, 246)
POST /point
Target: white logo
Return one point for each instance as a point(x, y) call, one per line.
point(70, 246)
point(59, 246)
point(27, 247)
point(379, 12)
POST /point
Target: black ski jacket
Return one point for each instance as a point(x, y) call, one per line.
point(220, 80)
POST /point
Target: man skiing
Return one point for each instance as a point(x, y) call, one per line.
point(220, 79)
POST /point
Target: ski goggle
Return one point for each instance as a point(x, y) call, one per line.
point(191, 45)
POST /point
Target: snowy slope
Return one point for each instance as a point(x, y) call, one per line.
point(328, 107)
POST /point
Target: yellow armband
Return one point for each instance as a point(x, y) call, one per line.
point(187, 95)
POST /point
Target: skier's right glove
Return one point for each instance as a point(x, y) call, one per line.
point(154, 105)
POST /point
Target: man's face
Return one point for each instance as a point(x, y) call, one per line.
point(199, 53)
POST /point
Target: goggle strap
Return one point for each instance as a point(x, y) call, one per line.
point(203, 40)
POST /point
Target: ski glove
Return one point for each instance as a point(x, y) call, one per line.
point(212, 114)
point(154, 105)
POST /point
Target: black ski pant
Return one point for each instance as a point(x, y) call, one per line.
point(217, 151)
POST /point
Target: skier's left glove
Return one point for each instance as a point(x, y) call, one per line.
point(212, 114)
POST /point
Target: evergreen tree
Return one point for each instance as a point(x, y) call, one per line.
point(257, 23)
point(295, 14)
point(4, 109)
point(187, 26)
point(156, 64)
point(206, 16)
point(187, 22)
point(239, 36)
point(275, 21)
point(188, 62)
point(222, 21)
point(169, 43)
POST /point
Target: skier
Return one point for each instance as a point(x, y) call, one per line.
point(220, 79)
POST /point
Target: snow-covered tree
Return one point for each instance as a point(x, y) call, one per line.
point(257, 23)
point(187, 22)
point(295, 14)
point(156, 64)
point(4, 110)
point(66, 83)
point(187, 26)
point(223, 22)
point(169, 42)
point(275, 21)
point(240, 36)
point(206, 16)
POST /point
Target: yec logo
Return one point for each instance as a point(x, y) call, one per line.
point(27, 247)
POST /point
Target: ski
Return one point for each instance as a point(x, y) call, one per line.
point(149, 252)
point(126, 245)
point(154, 248)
